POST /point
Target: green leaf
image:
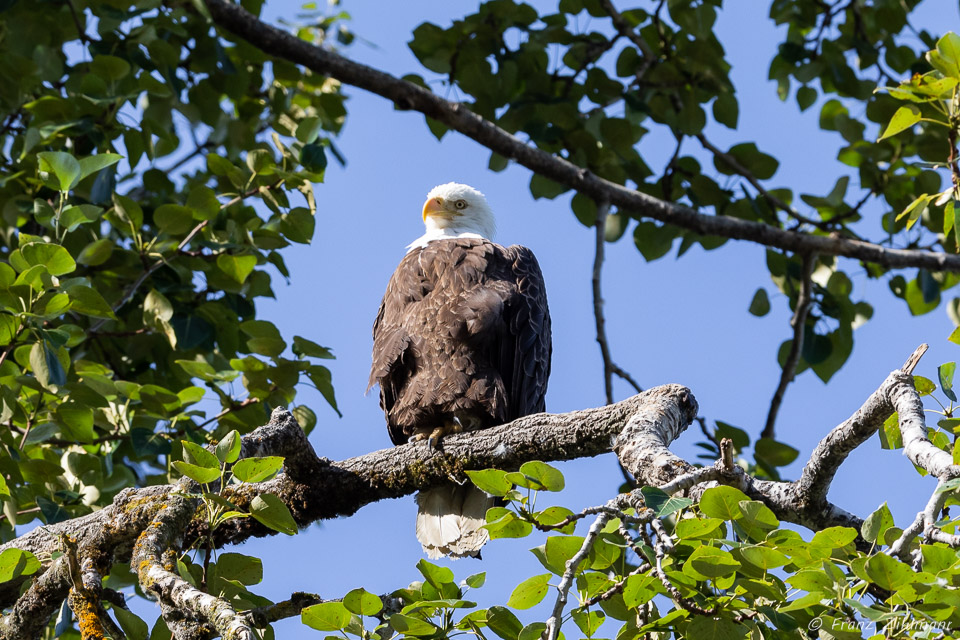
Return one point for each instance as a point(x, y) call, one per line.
point(710, 628)
point(554, 515)
point(697, 527)
point(63, 165)
point(758, 514)
point(834, 537)
point(904, 118)
point(326, 616)
point(313, 158)
point(8, 329)
point(237, 267)
point(195, 454)
point(503, 523)
point(308, 129)
point(889, 573)
point(408, 625)
point(96, 253)
point(269, 510)
point(362, 603)
point(303, 347)
point(541, 187)
point(558, 550)
point(726, 111)
point(924, 386)
point(305, 417)
point(530, 592)
point(46, 366)
point(55, 258)
point(876, 524)
point(321, 378)
point(228, 449)
point(760, 305)
point(722, 502)
point(775, 454)
point(92, 164)
point(806, 96)
point(156, 306)
point(244, 569)
point(15, 563)
point(89, 302)
point(764, 557)
point(476, 580)
point(492, 481)
point(540, 475)
point(435, 575)
point(954, 336)
point(504, 623)
point(661, 503)
point(73, 217)
point(708, 562)
point(948, 49)
point(945, 374)
point(203, 203)
point(588, 621)
point(133, 626)
point(740, 438)
point(257, 469)
point(203, 475)
point(175, 219)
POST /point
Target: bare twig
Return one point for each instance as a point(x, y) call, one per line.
point(570, 570)
point(798, 323)
point(662, 548)
point(609, 367)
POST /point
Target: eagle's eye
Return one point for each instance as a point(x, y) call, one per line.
point(460, 204)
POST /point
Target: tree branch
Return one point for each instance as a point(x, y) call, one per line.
point(149, 526)
point(609, 367)
point(169, 588)
point(457, 116)
point(798, 322)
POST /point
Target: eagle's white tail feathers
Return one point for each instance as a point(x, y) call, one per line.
point(449, 520)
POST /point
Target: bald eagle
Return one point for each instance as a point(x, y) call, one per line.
point(461, 342)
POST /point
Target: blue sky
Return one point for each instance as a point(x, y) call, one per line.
point(682, 321)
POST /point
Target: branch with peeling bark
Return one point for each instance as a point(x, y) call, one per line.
point(457, 116)
point(149, 527)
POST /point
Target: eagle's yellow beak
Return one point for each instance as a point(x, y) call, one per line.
point(433, 207)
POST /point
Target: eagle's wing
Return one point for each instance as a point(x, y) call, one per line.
point(525, 344)
point(391, 341)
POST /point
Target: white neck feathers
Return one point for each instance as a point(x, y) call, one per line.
point(438, 233)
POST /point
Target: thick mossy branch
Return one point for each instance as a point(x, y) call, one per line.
point(33, 610)
point(316, 488)
point(406, 95)
point(169, 588)
point(149, 526)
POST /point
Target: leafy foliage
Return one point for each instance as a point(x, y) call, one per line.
point(154, 172)
point(132, 252)
point(721, 568)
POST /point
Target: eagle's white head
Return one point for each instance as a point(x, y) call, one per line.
point(455, 209)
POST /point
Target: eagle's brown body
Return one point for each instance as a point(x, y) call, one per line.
point(462, 337)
